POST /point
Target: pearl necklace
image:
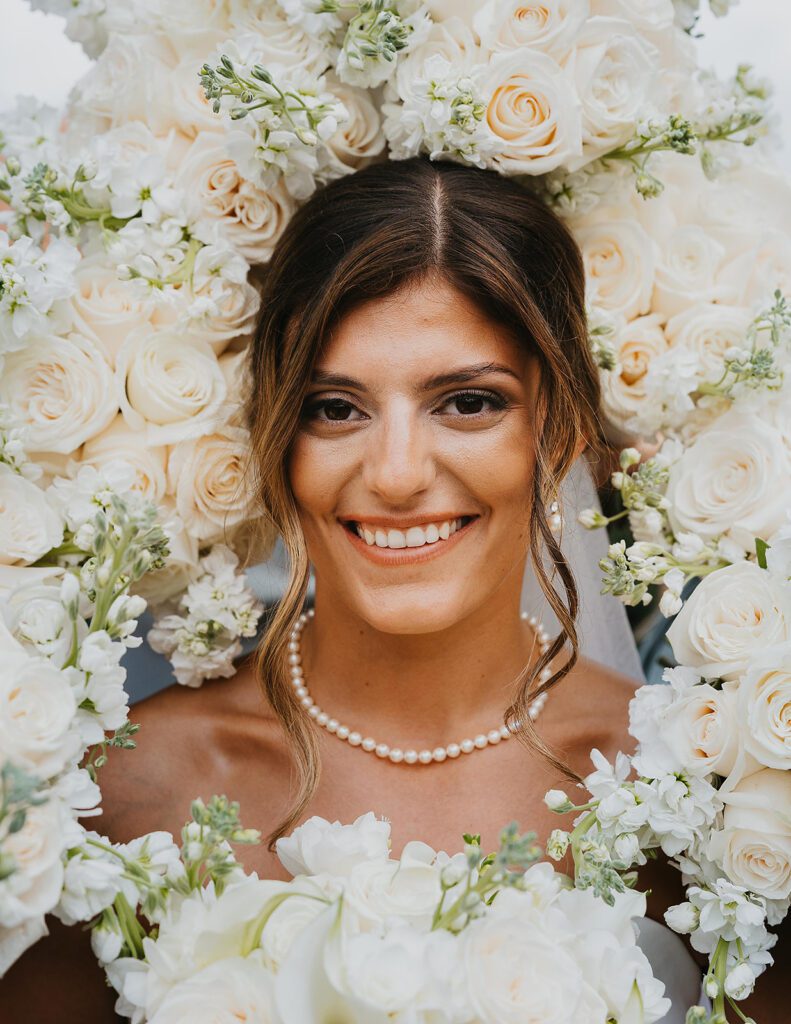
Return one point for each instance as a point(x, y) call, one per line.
point(395, 754)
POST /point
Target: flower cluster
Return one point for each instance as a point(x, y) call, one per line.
point(462, 938)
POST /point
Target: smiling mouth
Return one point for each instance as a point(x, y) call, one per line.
point(426, 535)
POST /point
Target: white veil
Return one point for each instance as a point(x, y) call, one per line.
point(605, 634)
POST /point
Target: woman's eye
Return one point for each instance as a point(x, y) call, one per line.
point(473, 403)
point(334, 410)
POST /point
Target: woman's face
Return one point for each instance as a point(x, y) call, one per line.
point(413, 464)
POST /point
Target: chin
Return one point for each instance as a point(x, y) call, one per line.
point(415, 614)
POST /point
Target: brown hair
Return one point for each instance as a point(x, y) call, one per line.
point(366, 235)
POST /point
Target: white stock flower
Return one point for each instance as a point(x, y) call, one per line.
point(619, 264)
point(34, 886)
point(212, 482)
point(171, 385)
point(726, 481)
point(92, 880)
point(550, 27)
point(120, 443)
point(61, 389)
point(31, 281)
point(532, 111)
point(637, 344)
point(320, 847)
point(37, 709)
point(730, 615)
point(251, 218)
point(104, 686)
point(753, 847)
point(614, 71)
point(679, 808)
point(238, 988)
point(764, 701)
point(30, 525)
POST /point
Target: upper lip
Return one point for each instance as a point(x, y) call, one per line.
point(405, 521)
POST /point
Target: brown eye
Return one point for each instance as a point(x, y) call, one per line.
point(469, 405)
point(337, 409)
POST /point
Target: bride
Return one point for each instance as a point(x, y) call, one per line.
point(420, 385)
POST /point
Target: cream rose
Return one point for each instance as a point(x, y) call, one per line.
point(730, 615)
point(645, 15)
point(185, 105)
point(277, 40)
point(61, 389)
point(623, 389)
point(709, 330)
point(107, 309)
point(359, 139)
point(35, 886)
point(615, 72)
point(408, 888)
point(619, 264)
point(37, 709)
point(212, 482)
point(765, 707)
point(755, 275)
point(532, 111)
point(236, 988)
point(754, 844)
point(120, 443)
point(453, 39)
point(549, 26)
point(251, 218)
point(30, 524)
point(171, 385)
point(702, 728)
point(441, 10)
point(726, 481)
point(686, 271)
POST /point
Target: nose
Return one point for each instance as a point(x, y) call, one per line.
point(398, 461)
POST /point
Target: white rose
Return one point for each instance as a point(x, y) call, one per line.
point(37, 709)
point(171, 385)
point(321, 847)
point(107, 308)
point(730, 615)
point(614, 71)
point(515, 968)
point(646, 15)
point(61, 389)
point(619, 264)
point(120, 443)
point(212, 482)
point(709, 330)
point(703, 729)
point(765, 707)
point(277, 40)
point(686, 270)
point(36, 616)
point(185, 104)
point(754, 844)
point(236, 989)
point(360, 138)
point(624, 388)
point(533, 113)
point(550, 26)
point(726, 481)
point(408, 889)
point(442, 10)
point(755, 275)
point(30, 524)
point(35, 885)
point(288, 921)
point(451, 38)
point(251, 218)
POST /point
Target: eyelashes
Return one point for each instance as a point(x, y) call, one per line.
point(468, 406)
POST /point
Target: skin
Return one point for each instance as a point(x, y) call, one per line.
point(416, 654)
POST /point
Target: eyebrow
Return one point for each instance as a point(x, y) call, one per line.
point(463, 375)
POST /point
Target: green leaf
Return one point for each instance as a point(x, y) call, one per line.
point(760, 550)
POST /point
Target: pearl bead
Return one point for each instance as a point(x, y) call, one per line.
point(369, 744)
point(307, 702)
point(295, 672)
point(301, 691)
point(342, 732)
point(494, 736)
point(382, 750)
point(293, 645)
point(467, 746)
point(439, 754)
point(322, 718)
point(453, 750)
point(311, 612)
point(355, 739)
point(532, 621)
point(314, 712)
point(332, 725)
point(425, 757)
point(396, 755)
point(480, 741)
point(410, 756)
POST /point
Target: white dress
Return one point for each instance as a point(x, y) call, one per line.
point(672, 964)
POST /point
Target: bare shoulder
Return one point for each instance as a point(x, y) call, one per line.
point(191, 743)
point(590, 708)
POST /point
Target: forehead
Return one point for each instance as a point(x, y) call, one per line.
point(424, 327)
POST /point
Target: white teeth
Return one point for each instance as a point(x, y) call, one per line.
point(413, 537)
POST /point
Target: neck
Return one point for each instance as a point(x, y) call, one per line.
point(418, 687)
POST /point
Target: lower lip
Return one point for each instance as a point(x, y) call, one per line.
point(408, 556)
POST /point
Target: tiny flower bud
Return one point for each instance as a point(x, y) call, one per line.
point(629, 457)
point(683, 918)
point(558, 844)
point(739, 982)
point(556, 800)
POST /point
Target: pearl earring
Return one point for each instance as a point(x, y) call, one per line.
point(555, 517)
